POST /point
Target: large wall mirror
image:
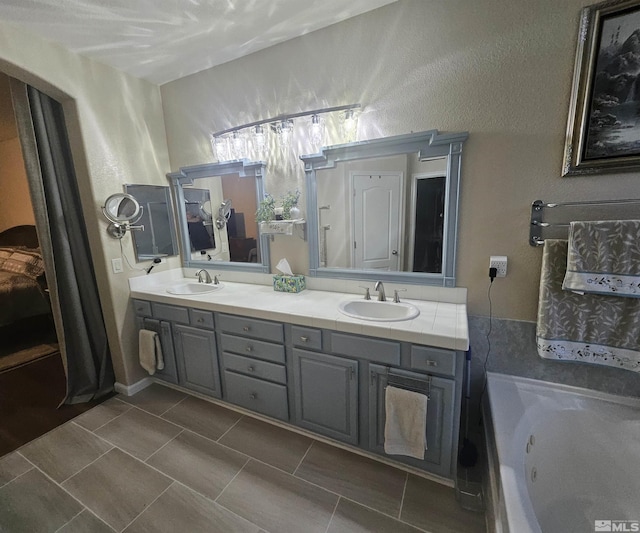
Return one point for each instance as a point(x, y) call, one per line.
point(159, 236)
point(386, 208)
point(216, 205)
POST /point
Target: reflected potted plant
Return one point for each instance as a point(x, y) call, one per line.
point(290, 209)
point(266, 209)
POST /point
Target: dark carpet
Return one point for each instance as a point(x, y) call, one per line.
point(29, 398)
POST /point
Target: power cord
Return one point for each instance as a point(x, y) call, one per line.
point(492, 275)
point(156, 261)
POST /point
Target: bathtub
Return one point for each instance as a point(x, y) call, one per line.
point(560, 458)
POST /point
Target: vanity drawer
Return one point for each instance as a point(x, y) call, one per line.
point(253, 348)
point(170, 312)
point(200, 318)
point(306, 337)
point(433, 360)
point(262, 396)
point(376, 350)
point(142, 308)
point(251, 327)
point(255, 368)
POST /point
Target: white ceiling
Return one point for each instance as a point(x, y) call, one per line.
point(163, 40)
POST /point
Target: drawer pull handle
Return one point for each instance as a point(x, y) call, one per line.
point(246, 328)
point(249, 348)
point(250, 368)
point(200, 320)
point(304, 339)
point(429, 362)
point(140, 309)
point(253, 396)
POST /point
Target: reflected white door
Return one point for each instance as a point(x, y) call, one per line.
point(377, 220)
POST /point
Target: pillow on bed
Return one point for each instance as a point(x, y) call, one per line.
point(22, 262)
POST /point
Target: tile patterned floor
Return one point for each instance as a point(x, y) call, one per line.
point(163, 461)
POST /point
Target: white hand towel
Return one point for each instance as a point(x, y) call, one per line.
point(405, 429)
point(150, 351)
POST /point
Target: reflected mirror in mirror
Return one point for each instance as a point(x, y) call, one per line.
point(386, 208)
point(233, 198)
point(159, 237)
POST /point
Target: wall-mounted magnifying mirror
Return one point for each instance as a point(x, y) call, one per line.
point(224, 213)
point(159, 238)
point(227, 235)
point(396, 197)
point(122, 211)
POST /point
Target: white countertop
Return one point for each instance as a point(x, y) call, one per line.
point(439, 324)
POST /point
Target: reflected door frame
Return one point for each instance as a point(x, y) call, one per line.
point(413, 207)
point(393, 261)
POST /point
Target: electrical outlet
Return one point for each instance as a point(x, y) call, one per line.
point(116, 265)
point(499, 262)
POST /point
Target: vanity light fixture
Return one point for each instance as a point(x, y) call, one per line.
point(316, 131)
point(232, 144)
point(350, 125)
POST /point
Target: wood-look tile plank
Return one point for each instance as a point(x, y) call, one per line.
point(65, 451)
point(155, 399)
point(12, 466)
point(432, 506)
point(138, 432)
point(181, 509)
point(103, 413)
point(205, 418)
point(351, 517)
point(86, 522)
point(358, 478)
point(270, 444)
point(32, 503)
point(277, 501)
point(199, 463)
point(117, 487)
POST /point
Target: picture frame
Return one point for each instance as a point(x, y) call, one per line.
point(603, 129)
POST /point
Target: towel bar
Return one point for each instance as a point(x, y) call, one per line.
point(412, 384)
point(538, 211)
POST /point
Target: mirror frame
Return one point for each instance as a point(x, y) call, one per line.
point(185, 176)
point(428, 145)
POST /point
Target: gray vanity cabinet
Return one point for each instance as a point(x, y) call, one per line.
point(197, 359)
point(440, 419)
point(326, 394)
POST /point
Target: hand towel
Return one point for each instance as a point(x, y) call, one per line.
point(589, 328)
point(405, 429)
point(604, 258)
point(150, 351)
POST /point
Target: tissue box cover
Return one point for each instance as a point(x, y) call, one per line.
point(283, 283)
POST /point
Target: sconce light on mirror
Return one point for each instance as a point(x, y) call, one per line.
point(251, 141)
point(122, 211)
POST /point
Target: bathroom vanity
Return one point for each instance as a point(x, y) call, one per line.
point(291, 358)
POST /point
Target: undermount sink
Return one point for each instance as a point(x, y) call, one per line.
point(192, 287)
point(378, 311)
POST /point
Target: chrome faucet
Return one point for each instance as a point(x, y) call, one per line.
point(207, 277)
point(380, 288)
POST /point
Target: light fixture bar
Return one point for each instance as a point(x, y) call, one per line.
point(280, 118)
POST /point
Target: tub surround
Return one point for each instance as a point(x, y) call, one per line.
point(442, 321)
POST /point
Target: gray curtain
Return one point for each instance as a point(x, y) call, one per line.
point(85, 349)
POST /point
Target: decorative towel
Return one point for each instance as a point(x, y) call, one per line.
point(590, 328)
point(150, 351)
point(405, 429)
point(604, 258)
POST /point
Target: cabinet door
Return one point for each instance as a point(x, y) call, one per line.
point(197, 359)
point(440, 416)
point(326, 393)
point(163, 328)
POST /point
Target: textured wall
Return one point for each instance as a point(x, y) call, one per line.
point(500, 69)
point(117, 135)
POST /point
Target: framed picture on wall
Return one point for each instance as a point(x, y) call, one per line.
point(603, 131)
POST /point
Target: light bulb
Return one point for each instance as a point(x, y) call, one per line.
point(238, 145)
point(316, 131)
point(260, 139)
point(350, 125)
point(285, 132)
point(220, 151)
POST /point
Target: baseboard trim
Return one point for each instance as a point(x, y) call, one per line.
point(130, 390)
